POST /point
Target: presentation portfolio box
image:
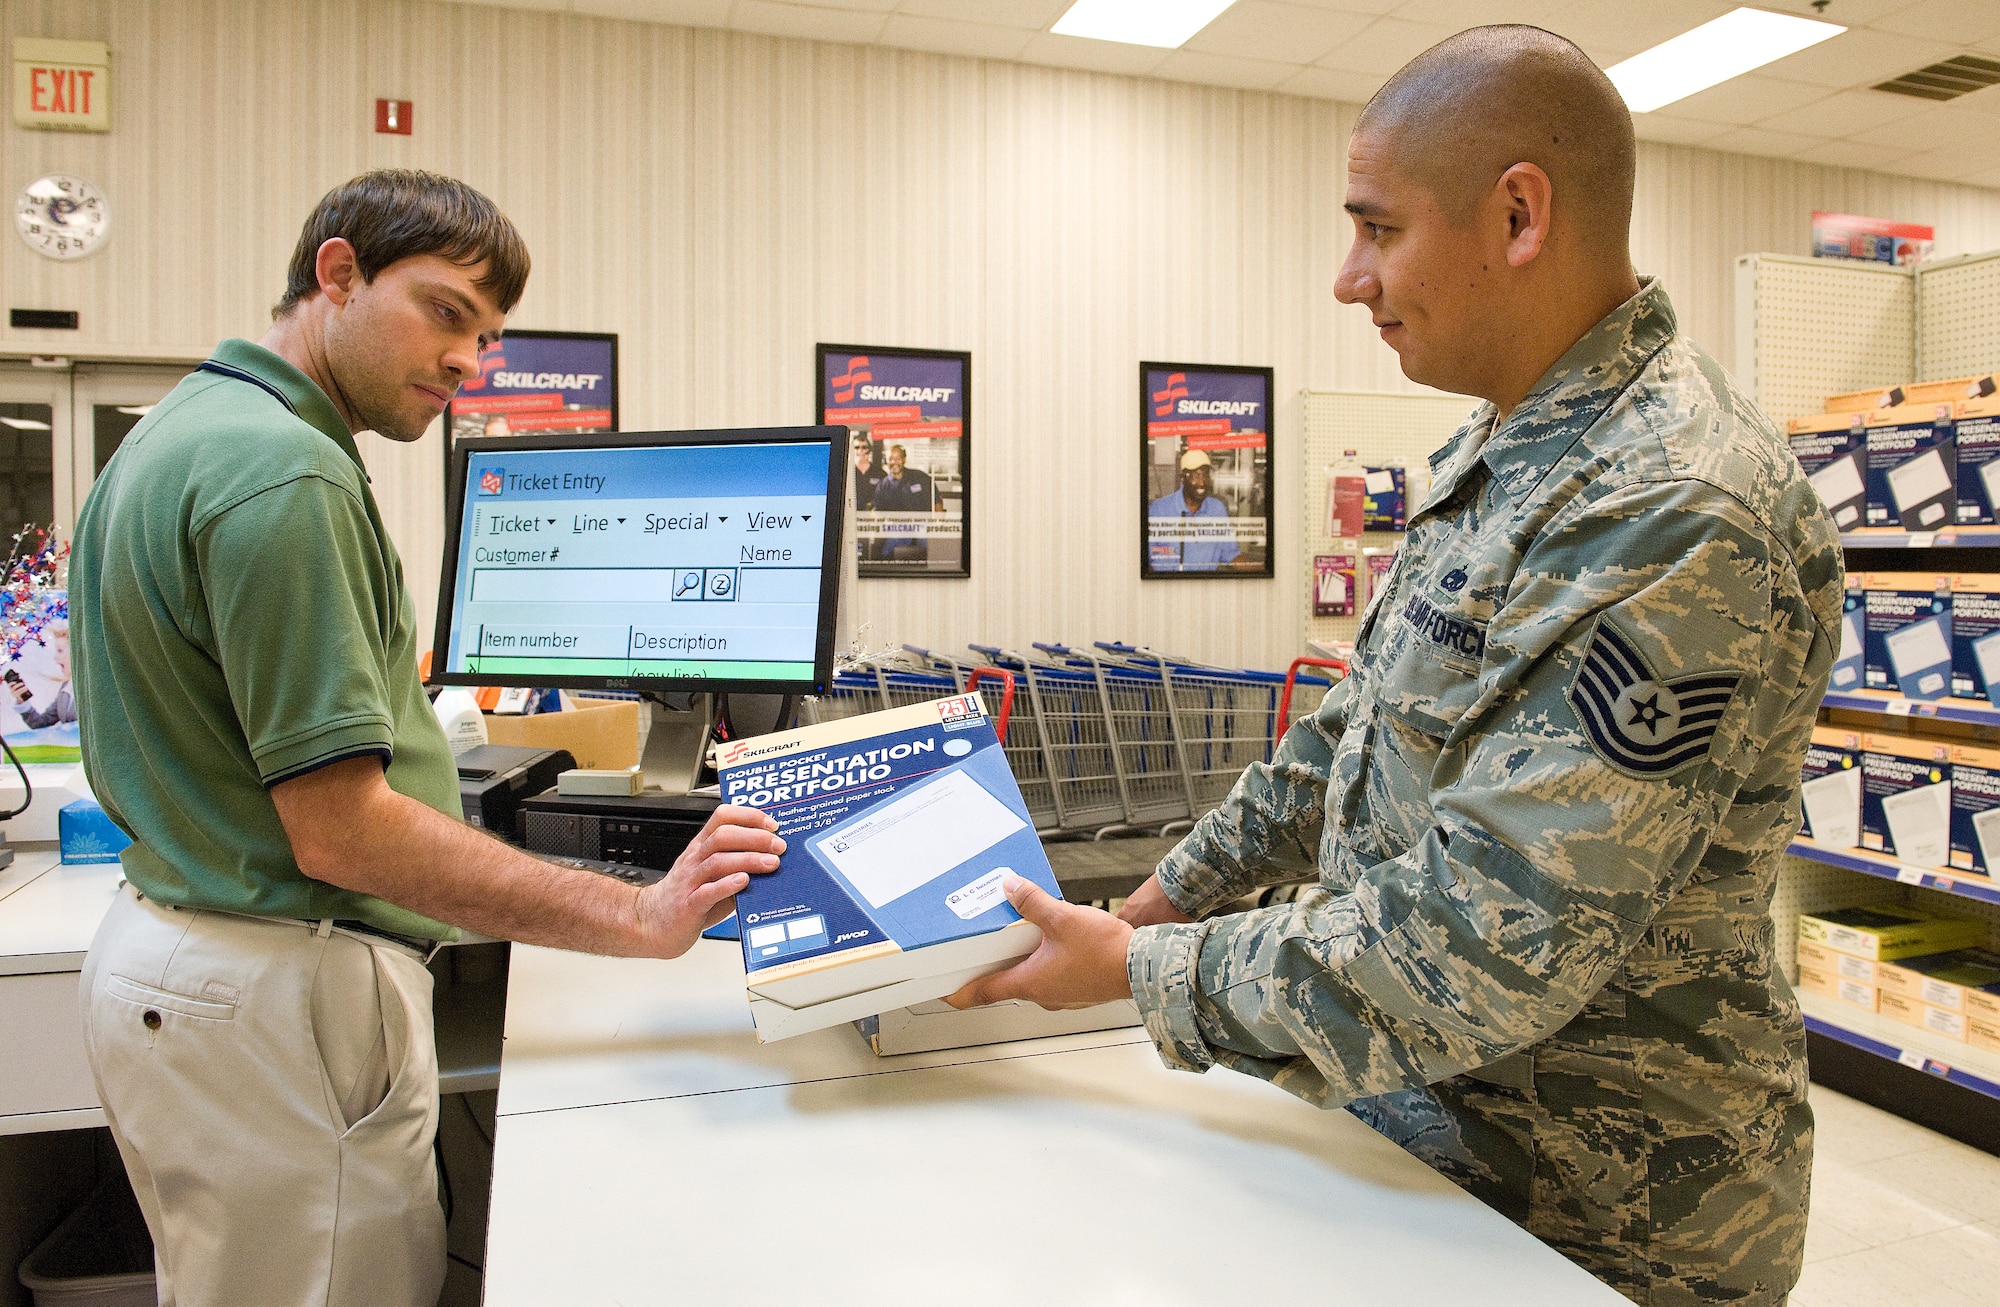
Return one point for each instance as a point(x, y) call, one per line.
point(1978, 440)
point(1862, 971)
point(1962, 980)
point(1831, 788)
point(1975, 809)
point(1912, 467)
point(900, 828)
point(1906, 798)
point(1887, 932)
point(1850, 663)
point(1898, 1007)
point(1833, 450)
point(1851, 992)
point(1975, 636)
point(1906, 633)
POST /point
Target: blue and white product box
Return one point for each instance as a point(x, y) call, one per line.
point(1975, 636)
point(900, 828)
point(1906, 798)
point(1975, 809)
point(1906, 633)
point(1978, 441)
point(1831, 788)
point(87, 834)
point(1850, 664)
point(1912, 467)
point(1383, 502)
point(1833, 450)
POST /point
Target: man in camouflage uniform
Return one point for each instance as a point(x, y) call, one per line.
point(1548, 807)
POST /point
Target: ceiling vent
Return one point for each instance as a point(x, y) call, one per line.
point(1948, 80)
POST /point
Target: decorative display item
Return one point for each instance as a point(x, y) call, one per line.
point(909, 430)
point(38, 708)
point(62, 217)
point(1204, 471)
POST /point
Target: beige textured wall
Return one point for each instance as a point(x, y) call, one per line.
point(722, 201)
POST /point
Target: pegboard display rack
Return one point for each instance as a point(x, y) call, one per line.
point(1807, 329)
point(1382, 428)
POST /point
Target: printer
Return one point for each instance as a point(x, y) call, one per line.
point(494, 778)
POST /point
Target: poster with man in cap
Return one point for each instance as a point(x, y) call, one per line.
point(1207, 468)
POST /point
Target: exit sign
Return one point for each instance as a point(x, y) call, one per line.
point(62, 85)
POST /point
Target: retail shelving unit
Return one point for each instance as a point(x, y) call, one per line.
point(1806, 329)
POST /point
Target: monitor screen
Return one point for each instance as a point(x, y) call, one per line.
point(672, 560)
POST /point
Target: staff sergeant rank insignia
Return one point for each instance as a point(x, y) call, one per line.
point(1639, 724)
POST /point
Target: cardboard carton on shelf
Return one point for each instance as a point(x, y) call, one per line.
point(1949, 391)
point(1945, 980)
point(1888, 932)
point(602, 734)
point(1935, 1020)
point(1843, 965)
point(1851, 992)
point(1906, 633)
point(1832, 449)
point(1983, 1035)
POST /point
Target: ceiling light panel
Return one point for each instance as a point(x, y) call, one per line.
point(1164, 23)
point(1716, 51)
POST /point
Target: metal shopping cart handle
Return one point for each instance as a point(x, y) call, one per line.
point(1006, 679)
point(1291, 679)
point(1058, 649)
point(1118, 647)
point(919, 652)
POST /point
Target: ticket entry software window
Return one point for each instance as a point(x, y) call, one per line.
point(643, 563)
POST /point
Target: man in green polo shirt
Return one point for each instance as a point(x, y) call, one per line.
point(257, 1010)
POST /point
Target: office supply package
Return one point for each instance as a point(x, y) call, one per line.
point(1977, 437)
point(1383, 503)
point(1814, 980)
point(1912, 467)
point(1850, 663)
point(1906, 799)
point(1938, 1021)
point(1888, 932)
point(87, 835)
point(901, 828)
point(1862, 971)
point(1833, 450)
point(1965, 981)
point(1831, 788)
point(1975, 636)
point(1975, 809)
point(936, 1025)
point(1906, 633)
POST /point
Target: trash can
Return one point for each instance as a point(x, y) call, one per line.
point(100, 1256)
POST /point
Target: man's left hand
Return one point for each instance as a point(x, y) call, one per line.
point(1081, 961)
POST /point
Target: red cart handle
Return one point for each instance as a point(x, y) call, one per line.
point(1006, 679)
point(1291, 679)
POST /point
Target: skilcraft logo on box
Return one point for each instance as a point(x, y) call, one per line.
point(1163, 400)
point(857, 372)
point(492, 481)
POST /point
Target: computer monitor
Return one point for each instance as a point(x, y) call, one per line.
point(659, 562)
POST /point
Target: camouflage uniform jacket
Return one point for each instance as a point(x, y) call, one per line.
point(1547, 810)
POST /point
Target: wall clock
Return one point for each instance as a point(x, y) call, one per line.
point(62, 217)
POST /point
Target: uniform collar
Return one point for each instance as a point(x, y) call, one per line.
point(302, 395)
point(1565, 403)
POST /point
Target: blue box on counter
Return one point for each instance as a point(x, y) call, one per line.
point(87, 834)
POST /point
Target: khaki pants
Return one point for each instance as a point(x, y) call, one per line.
point(273, 1090)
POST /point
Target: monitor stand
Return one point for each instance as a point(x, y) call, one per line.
point(677, 743)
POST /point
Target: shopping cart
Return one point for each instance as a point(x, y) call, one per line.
point(1077, 756)
point(1304, 694)
point(1145, 742)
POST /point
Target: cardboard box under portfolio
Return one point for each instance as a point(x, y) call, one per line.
point(1833, 450)
point(1906, 633)
point(900, 829)
point(1906, 798)
point(1900, 1007)
point(1886, 932)
point(1949, 391)
point(1912, 467)
point(1862, 971)
point(1837, 987)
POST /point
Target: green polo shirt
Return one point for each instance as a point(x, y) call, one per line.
point(238, 618)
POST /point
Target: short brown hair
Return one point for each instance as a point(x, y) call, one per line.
point(400, 213)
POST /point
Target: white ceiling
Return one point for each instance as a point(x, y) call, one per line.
point(1815, 106)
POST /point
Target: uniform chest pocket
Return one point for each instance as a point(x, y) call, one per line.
point(1425, 686)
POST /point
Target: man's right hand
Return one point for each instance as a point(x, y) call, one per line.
point(1150, 906)
point(701, 889)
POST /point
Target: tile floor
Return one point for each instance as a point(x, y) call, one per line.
point(1900, 1214)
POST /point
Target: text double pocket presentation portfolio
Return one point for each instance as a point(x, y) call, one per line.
point(901, 828)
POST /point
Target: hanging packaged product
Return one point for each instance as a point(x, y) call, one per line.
point(1333, 585)
point(1975, 809)
point(1906, 633)
point(1346, 498)
point(1833, 450)
point(1849, 665)
point(1906, 799)
point(1912, 467)
point(1975, 636)
point(1382, 507)
point(1832, 788)
point(1378, 564)
point(1978, 441)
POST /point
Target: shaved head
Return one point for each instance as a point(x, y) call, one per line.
point(1460, 114)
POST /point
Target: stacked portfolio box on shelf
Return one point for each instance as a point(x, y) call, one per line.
point(1914, 392)
point(1975, 809)
point(1975, 636)
point(1833, 450)
point(1831, 789)
point(1906, 633)
point(900, 829)
point(1906, 798)
point(1912, 467)
point(1943, 992)
point(1978, 441)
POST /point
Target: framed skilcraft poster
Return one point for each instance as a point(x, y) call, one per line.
point(908, 418)
point(538, 382)
point(1204, 471)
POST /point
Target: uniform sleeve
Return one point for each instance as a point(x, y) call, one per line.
point(1267, 830)
point(1551, 832)
point(299, 610)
